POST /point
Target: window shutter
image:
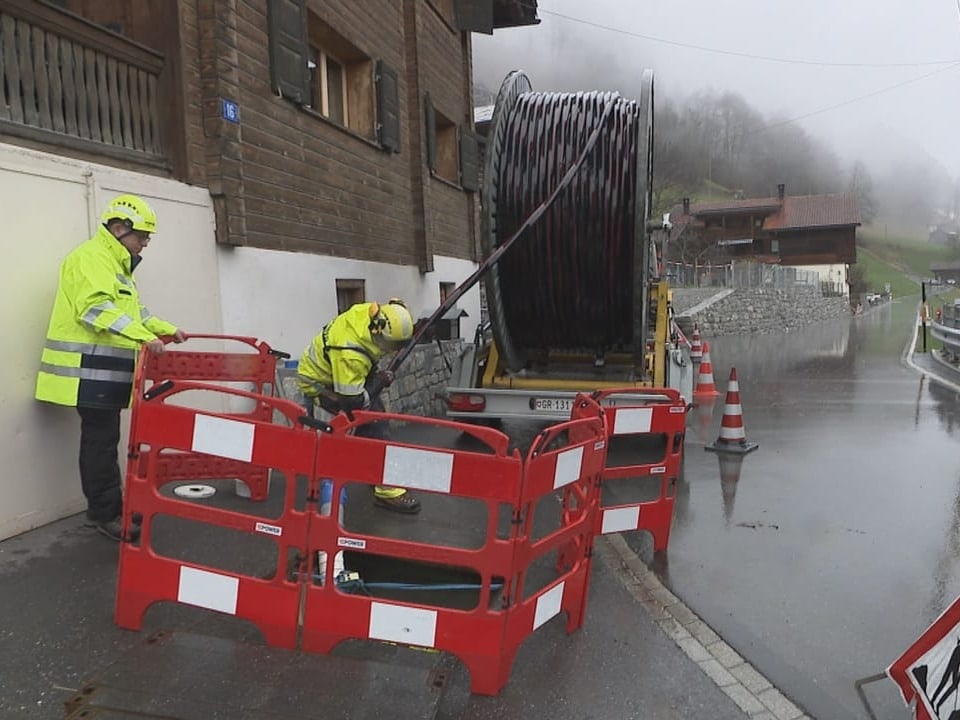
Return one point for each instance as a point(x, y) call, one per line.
point(474, 15)
point(430, 123)
point(469, 160)
point(388, 108)
point(287, 22)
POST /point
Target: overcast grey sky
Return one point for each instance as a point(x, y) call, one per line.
point(865, 59)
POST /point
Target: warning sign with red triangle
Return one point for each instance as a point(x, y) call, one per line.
point(928, 673)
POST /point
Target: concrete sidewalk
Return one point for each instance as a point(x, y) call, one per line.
point(640, 654)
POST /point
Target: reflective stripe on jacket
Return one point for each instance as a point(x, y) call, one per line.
point(96, 326)
point(341, 356)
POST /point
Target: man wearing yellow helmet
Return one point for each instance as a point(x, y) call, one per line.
point(338, 365)
point(96, 327)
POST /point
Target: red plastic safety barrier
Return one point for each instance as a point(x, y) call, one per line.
point(256, 369)
point(484, 638)
point(145, 577)
point(527, 574)
point(644, 412)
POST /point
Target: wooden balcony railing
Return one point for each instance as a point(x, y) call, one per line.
point(68, 82)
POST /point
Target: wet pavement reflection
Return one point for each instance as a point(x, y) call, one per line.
point(822, 556)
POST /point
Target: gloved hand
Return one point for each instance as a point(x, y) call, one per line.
point(386, 378)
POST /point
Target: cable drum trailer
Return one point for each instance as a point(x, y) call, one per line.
point(578, 304)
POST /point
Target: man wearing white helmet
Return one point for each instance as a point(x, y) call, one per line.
point(96, 328)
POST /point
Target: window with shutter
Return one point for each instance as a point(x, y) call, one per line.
point(443, 153)
point(341, 79)
point(314, 66)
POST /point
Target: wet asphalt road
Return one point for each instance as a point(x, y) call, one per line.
point(825, 554)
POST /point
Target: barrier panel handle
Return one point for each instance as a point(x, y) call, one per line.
point(289, 409)
point(245, 339)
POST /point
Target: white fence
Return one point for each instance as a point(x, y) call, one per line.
point(744, 275)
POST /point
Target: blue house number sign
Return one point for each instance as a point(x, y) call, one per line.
point(231, 111)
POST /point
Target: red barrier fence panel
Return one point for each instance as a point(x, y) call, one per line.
point(254, 369)
point(645, 440)
point(554, 542)
point(532, 526)
point(488, 476)
point(269, 599)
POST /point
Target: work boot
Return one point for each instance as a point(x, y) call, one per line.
point(406, 503)
point(113, 529)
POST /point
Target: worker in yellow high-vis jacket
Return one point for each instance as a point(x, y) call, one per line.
point(342, 360)
point(96, 328)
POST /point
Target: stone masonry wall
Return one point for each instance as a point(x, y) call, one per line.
point(764, 310)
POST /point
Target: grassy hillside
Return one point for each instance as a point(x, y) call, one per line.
point(911, 254)
point(880, 271)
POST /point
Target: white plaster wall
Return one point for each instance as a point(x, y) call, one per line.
point(50, 205)
point(286, 298)
point(835, 273)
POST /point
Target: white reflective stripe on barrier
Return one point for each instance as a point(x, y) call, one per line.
point(620, 519)
point(632, 420)
point(420, 469)
point(223, 437)
point(208, 590)
point(569, 466)
point(548, 605)
point(394, 623)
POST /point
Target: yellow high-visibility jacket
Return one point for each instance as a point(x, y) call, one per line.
point(341, 356)
point(96, 326)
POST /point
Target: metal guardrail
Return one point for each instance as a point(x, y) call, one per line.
point(947, 331)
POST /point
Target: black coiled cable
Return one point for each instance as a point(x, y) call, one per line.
point(570, 283)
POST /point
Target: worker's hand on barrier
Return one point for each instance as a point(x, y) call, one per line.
point(386, 378)
point(156, 345)
point(179, 336)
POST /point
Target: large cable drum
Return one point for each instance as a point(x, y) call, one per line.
point(577, 279)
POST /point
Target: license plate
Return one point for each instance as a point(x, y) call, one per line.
point(562, 405)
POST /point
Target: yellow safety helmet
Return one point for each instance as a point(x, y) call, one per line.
point(134, 210)
point(392, 321)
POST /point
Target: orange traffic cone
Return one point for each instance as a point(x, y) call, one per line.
point(732, 437)
point(705, 385)
point(696, 348)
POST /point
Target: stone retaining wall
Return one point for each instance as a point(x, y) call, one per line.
point(763, 310)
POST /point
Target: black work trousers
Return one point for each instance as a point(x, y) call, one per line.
point(99, 469)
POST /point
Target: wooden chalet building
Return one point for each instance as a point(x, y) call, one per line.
point(806, 230)
point(332, 127)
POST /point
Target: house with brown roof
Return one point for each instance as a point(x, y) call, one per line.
point(797, 230)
